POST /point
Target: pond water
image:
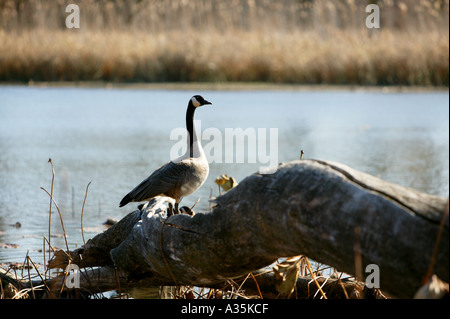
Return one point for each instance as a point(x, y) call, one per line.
point(115, 138)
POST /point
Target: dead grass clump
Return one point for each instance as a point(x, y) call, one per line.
point(301, 57)
point(308, 42)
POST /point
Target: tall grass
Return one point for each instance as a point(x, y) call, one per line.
point(289, 41)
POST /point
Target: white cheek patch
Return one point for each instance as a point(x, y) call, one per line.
point(195, 102)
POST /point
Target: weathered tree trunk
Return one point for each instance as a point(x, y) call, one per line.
point(327, 211)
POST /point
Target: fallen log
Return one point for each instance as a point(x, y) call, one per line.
point(327, 211)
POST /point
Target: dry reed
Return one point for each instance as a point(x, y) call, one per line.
point(308, 42)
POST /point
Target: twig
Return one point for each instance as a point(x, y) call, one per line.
point(82, 213)
point(66, 272)
point(42, 279)
point(43, 250)
point(51, 249)
point(242, 283)
point(50, 210)
point(29, 276)
point(314, 278)
point(429, 273)
point(60, 217)
point(2, 294)
point(341, 284)
point(357, 254)
point(257, 286)
point(323, 284)
point(117, 279)
point(195, 204)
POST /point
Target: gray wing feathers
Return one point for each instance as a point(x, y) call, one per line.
point(159, 182)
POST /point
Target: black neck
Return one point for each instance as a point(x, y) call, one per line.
point(190, 127)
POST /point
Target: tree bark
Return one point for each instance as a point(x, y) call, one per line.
point(326, 211)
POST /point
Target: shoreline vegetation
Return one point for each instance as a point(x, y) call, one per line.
point(227, 86)
point(307, 42)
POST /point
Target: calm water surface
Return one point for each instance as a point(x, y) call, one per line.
point(115, 138)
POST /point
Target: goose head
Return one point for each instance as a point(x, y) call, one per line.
point(198, 100)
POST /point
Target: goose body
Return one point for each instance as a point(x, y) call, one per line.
point(180, 177)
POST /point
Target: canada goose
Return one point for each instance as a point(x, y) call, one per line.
point(180, 177)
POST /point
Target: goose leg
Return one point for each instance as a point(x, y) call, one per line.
point(170, 210)
point(177, 202)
